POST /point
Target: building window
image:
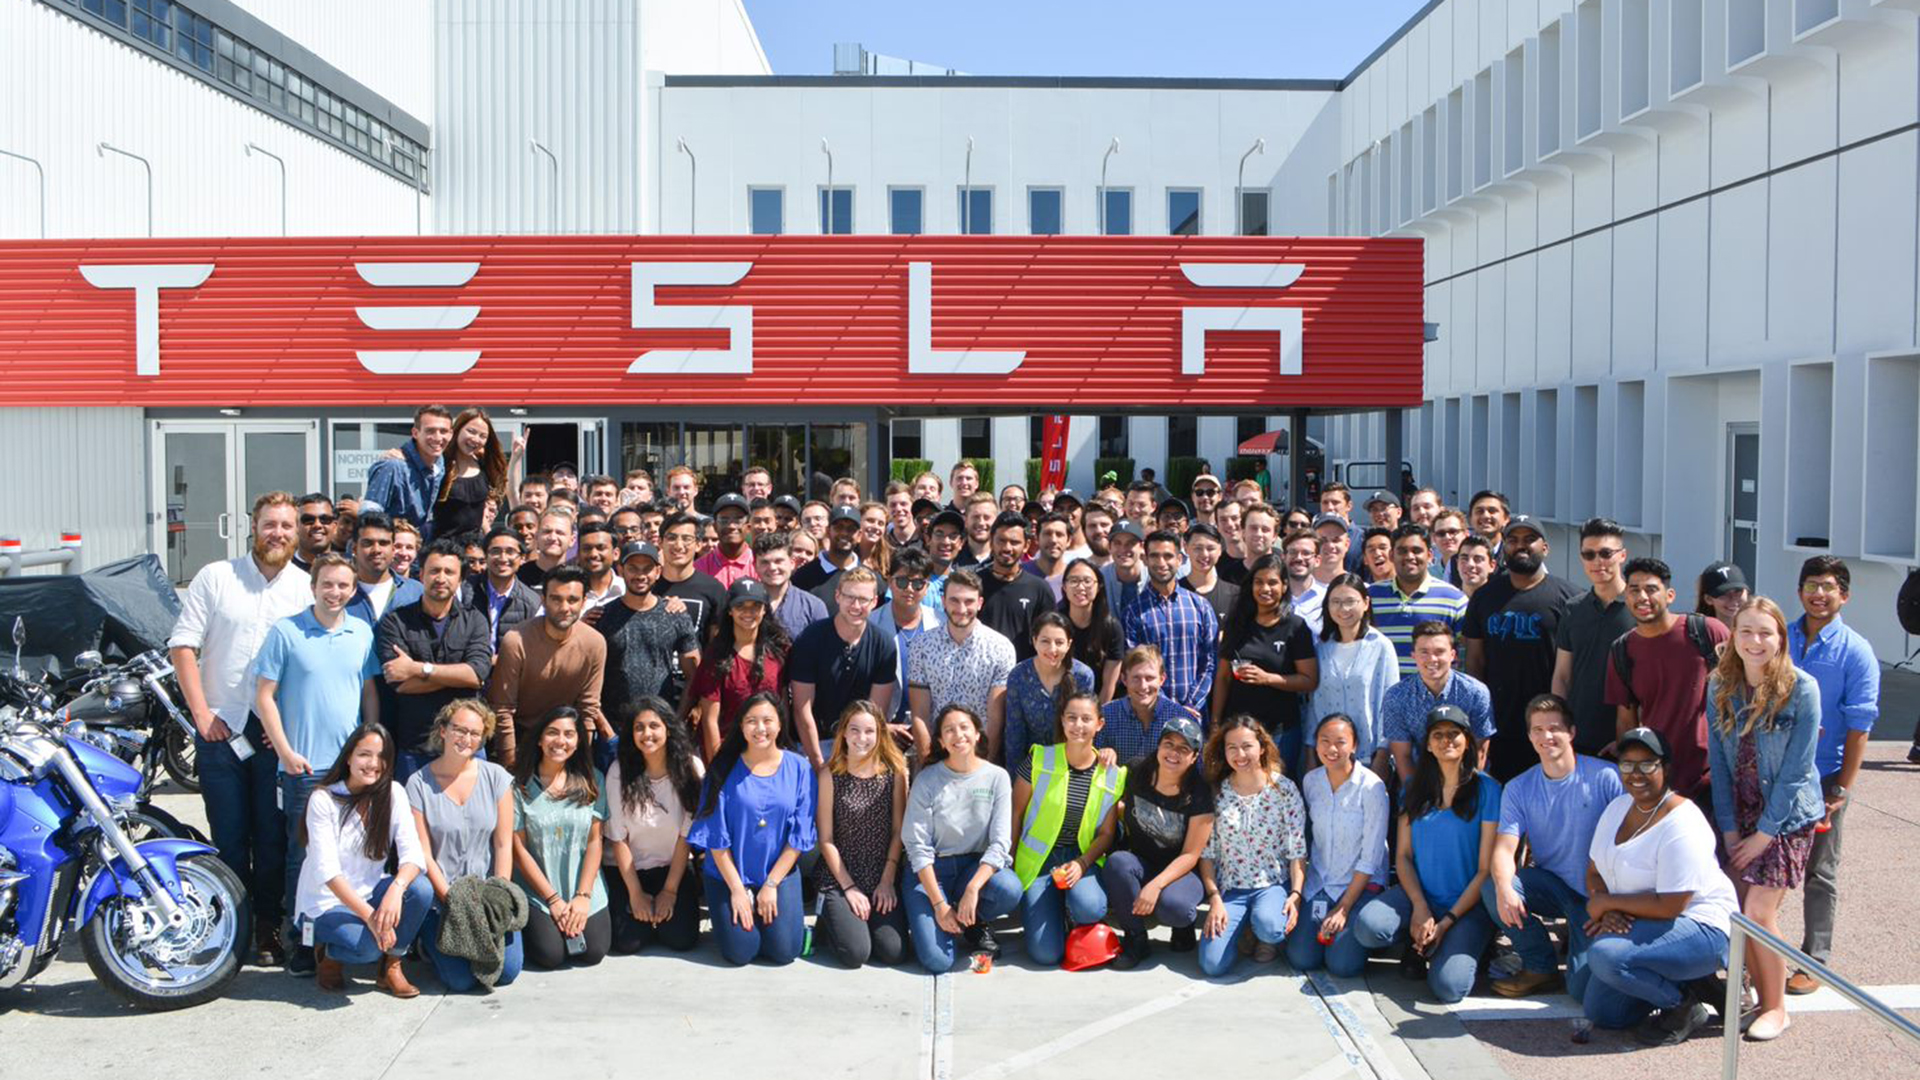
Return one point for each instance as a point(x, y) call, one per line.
point(1183, 436)
point(766, 211)
point(976, 437)
point(976, 211)
point(905, 436)
point(1246, 427)
point(1253, 212)
point(153, 20)
point(114, 11)
point(834, 451)
point(1118, 219)
point(905, 211)
point(1113, 436)
point(1036, 436)
point(1046, 213)
point(1183, 211)
point(836, 211)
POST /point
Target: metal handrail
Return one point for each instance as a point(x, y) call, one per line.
point(1742, 928)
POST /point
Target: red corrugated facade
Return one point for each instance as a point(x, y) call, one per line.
point(1099, 320)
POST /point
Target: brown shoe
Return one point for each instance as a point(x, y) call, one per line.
point(1527, 983)
point(329, 974)
point(393, 978)
point(1802, 983)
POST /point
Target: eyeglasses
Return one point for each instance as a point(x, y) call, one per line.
point(317, 519)
point(1822, 588)
point(1644, 768)
point(910, 584)
point(510, 552)
point(1599, 554)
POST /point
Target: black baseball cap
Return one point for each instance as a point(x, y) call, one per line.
point(1522, 521)
point(1067, 494)
point(842, 513)
point(746, 591)
point(1175, 502)
point(1331, 519)
point(1449, 714)
point(1125, 527)
point(1185, 729)
point(1382, 497)
point(731, 501)
point(949, 517)
point(565, 466)
point(922, 507)
point(789, 503)
point(637, 548)
point(1644, 736)
point(1721, 578)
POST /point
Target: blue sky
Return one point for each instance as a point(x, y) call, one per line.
point(1185, 38)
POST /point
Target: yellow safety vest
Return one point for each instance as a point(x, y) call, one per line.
point(1047, 810)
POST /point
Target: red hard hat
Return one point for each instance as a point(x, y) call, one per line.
point(1090, 946)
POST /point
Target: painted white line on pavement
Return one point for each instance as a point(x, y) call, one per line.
point(943, 1029)
point(1561, 1007)
point(1336, 1067)
point(1081, 1036)
point(927, 1006)
point(1354, 1034)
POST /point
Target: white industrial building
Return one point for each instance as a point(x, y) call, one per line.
point(1671, 244)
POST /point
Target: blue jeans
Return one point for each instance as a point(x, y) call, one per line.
point(1265, 907)
point(998, 896)
point(1046, 912)
point(1123, 876)
point(295, 791)
point(1545, 895)
point(456, 973)
point(1290, 741)
point(349, 941)
point(1641, 970)
point(1453, 965)
point(778, 942)
point(245, 821)
point(1343, 956)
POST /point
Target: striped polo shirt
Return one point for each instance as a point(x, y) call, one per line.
point(1396, 612)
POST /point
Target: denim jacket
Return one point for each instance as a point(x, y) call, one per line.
point(406, 487)
point(1788, 780)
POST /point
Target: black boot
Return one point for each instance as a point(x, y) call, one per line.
point(1134, 948)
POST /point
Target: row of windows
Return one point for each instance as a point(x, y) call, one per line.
point(974, 210)
point(976, 437)
point(256, 77)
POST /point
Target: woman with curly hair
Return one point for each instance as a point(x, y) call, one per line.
point(1763, 723)
point(1255, 862)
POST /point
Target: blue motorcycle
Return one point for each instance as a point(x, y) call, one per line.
point(161, 921)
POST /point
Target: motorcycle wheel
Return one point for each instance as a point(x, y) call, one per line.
point(144, 963)
point(177, 757)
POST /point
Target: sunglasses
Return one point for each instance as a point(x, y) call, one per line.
point(909, 584)
point(1206, 491)
point(1598, 554)
point(317, 519)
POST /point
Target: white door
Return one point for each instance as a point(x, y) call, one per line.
point(207, 474)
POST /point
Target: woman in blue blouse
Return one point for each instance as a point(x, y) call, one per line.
point(756, 817)
point(1446, 827)
point(1036, 687)
point(1357, 665)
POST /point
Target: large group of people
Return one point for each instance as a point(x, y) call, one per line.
point(532, 721)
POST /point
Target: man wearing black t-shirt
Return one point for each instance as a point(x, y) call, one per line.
point(1010, 595)
point(1510, 626)
point(646, 643)
point(841, 660)
point(685, 588)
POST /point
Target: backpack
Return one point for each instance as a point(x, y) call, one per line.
point(1696, 633)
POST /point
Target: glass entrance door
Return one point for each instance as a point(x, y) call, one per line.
point(1743, 496)
point(207, 475)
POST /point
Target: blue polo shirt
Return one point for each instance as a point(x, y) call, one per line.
point(1403, 712)
point(318, 675)
point(1842, 662)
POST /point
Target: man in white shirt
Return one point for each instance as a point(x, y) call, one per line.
point(223, 621)
point(1301, 554)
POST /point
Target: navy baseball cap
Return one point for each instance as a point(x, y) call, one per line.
point(731, 501)
point(639, 548)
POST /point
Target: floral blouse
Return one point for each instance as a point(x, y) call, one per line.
point(1256, 836)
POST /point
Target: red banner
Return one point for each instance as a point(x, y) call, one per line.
point(1053, 453)
point(1001, 321)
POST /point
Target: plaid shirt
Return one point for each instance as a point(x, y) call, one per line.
point(1121, 730)
point(1187, 633)
point(1403, 713)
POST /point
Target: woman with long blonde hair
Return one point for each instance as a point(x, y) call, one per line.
point(863, 797)
point(1763, 720)
point(476, 476)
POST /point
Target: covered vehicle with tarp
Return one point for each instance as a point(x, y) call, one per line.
point(119, 610)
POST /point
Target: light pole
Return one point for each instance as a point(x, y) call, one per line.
point(966, 193)
point(254, 148)
point(693, 185)
point(102, 148)
point(1239, 186)
point(37, 167)
point(1112, 149)
point(828, 150)
point(553, 190)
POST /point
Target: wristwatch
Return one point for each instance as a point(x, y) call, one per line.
point(426, 671)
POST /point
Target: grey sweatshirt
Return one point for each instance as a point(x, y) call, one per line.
point(953, 814)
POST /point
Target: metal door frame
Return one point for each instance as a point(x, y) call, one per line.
point(1730, 490)
point(235, 432)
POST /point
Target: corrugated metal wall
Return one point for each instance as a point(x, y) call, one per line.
point(83, 468)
